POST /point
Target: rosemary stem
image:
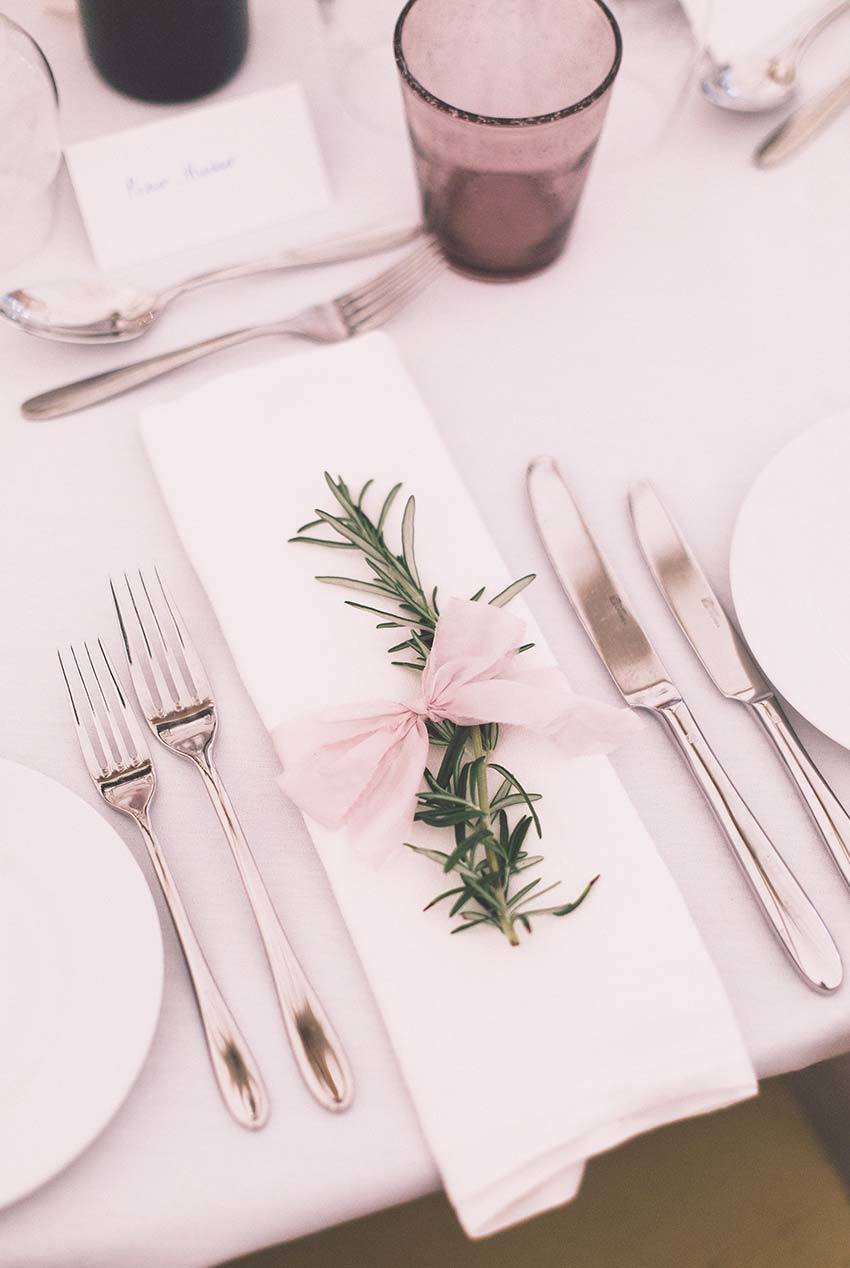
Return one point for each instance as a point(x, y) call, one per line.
point(483, 795)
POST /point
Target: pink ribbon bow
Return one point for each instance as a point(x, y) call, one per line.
point(362, 764)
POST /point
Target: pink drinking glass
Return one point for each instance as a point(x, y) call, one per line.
point(505, 101)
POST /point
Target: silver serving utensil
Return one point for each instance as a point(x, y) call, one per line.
point(107, 311)
point(363, 308)
point(645, 683)
point(729, 664)
point(760, 81)
point(119, 762)
point(793, 133)
point(176, 699)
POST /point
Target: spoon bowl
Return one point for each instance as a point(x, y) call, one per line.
point(765, 80)
point(751, 85)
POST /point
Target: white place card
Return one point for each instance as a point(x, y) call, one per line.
point(199, 176)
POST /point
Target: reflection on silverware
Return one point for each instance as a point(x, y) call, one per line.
point(176, 699)
point(802, 125)
point(728, 662)
point(118, 760)
point(352, 313)
point(109, 311)
point(645, 683)
point(765, 81)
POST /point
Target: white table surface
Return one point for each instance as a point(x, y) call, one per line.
point(695, 324)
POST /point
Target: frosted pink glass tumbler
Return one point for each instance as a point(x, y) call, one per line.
point(505, 101)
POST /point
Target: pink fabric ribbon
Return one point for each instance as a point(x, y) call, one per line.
point(362, 764)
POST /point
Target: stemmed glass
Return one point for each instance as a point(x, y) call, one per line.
point(30, 149)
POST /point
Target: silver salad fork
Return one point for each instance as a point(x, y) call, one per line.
point(119, 762)
point(176, 699)
point(363, 308)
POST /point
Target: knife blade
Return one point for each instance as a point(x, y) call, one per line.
point(727, 660)
point(644, 682)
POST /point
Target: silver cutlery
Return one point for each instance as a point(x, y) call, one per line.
point(109, 311)
point(119, 762)
point(729, 664)
point(760, 81)
point(176, 699)
point(645, 683)
point(793, 133)
point(363, 308)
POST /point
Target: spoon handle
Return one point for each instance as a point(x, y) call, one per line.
point(352, 246)
point(102, 387)
point(803, 124)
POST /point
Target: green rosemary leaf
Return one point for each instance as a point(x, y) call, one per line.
point(526, 889)
point(510, 592)
point(436, 856)
point(363, 492)
point(305, 527)
point(478, 594)
point(317, 541)
point(364, 607)
point(448, 893)
point(385, 509)
point(352, 583)
point(478, 920)
point(529, 799)
point(407, 539)
point(389, 625)
point(513, 799)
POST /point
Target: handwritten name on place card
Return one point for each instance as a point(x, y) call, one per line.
point(198, 176)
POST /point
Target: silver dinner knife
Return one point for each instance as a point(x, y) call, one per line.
point(645, 684)
point(729, 664)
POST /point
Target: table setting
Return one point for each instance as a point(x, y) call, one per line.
point(563, 442)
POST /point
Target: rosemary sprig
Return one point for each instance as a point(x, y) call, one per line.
point(489, 858)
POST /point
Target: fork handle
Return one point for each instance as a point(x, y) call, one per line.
point(102, 387)
point(317, 1050)
point(235, 1070)
point(830, 817)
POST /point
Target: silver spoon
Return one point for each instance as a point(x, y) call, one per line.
point(757, 81)
point(104, 311)
point(800, 126)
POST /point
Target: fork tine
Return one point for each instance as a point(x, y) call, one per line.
point(137, 739)
point(376, 301)
point(95, 768)
point(426, 250)
point(116, 737)
point(390, 302)
point(140, 682)
point(182, 682)
point(195, 668)
point(146, 655)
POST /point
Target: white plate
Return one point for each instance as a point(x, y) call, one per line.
point(80, 976)
point(790, 574)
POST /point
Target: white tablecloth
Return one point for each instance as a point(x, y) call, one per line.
point(695, 324)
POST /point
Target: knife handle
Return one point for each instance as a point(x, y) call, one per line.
point(799, 928)
point(831, 819)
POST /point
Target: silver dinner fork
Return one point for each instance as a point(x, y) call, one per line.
point(176, 699)
point(352, 313)
point(118, 760)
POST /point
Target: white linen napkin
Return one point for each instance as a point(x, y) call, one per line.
point(521, 1063)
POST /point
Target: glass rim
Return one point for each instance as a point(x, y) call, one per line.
point(507, 121)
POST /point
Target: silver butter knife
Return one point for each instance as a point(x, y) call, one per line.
point(728, 662)
point(645, 684)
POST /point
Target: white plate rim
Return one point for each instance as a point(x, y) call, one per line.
point(39, 1170)
point(808, 707)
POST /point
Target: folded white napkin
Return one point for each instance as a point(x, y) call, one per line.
point(730, 27)
point(521, 1063)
